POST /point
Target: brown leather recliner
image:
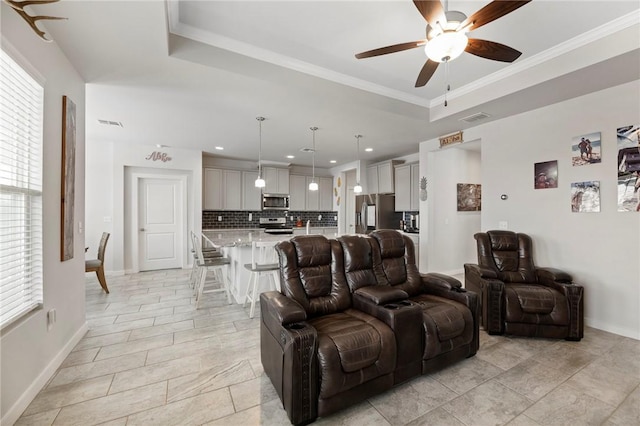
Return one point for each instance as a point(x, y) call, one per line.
point(321, 354)
point(519, 298)
point(449, 313)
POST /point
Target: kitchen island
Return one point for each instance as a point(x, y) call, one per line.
point(236, 245)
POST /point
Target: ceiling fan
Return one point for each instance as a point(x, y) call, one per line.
point(447, 36)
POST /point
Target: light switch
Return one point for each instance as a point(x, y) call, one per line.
point(106, 219)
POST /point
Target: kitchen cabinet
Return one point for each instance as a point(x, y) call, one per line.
point(222, 189)
point(304, 200)
point(276, 180)
point(407, 187)
point(251, 196)
point(325, 194)
point(380, 177)
point(298, 192)
point(313, 198)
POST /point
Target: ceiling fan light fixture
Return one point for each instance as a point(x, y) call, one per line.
point(446, 46)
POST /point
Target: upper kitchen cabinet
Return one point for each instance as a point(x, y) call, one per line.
point(276, 179)
point(380, 177)
point(407, 186)
point(251, 196)
point(222, 189)
point(304, 200)
point(325, 194)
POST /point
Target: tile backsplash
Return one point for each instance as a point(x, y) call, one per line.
point(240, 219)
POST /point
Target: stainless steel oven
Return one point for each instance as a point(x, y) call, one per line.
point(275, 201)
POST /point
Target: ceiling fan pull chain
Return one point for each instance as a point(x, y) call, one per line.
point(446, 69)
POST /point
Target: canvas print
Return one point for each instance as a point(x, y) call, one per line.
point(585, 197)
point(629, 168)
point(586, 149)
point(469, 197)
point(68, 177)
point(545, 175)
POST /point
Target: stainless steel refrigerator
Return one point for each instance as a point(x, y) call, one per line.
point(375, 211)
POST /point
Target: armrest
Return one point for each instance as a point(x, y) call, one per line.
point(562, 282)
point(288, 347)
point(547, 275)
point(480, 271)
point(441, 281)
point(402, 316)
point(381, 294)
point(277, 310)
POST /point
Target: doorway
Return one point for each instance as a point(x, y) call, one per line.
point(159, 217)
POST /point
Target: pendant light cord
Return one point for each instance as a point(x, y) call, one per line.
point(260, 120)
point(313, 158)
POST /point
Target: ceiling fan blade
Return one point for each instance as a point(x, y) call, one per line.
point(426, 72)
point(391, 49)
point(492, 50)
point(494, 10)
point(431, 11)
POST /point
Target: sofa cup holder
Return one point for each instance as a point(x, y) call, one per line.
point(296, 326)
point(398, 305)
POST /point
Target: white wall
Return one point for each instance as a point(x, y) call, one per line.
point(29, 353)
point(445, 245)
point(109, 193)
point(601, 250)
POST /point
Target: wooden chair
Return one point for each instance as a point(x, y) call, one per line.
point(218, 265)
point(97, 265)
point(263, 262)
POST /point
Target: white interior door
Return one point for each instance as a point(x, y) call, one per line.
point(160, 223)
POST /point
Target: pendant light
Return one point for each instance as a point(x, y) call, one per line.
point(357, 189)
point(260, 183)
point(313, 186)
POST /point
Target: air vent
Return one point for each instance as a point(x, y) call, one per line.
point(307, 150)
point(110, 123)
point(475, 117)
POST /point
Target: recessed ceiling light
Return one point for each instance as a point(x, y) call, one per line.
point(368, 149)
point(291, 156)
point(219, 148)
point(332, 161)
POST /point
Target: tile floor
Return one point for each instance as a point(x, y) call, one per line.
point(151, 358)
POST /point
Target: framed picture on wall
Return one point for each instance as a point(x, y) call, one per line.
point(628, 168)
point(545, 175)
point(586, 149)
point(585, 197)
point(67, 191)
point(469, 197)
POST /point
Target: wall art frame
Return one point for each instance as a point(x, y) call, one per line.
point(68, 176)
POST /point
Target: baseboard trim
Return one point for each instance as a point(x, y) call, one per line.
point(621, 331)
point(13, 414)
point(115, 273)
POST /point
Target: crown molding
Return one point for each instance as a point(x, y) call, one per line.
point(178, 28)
point(612, 27)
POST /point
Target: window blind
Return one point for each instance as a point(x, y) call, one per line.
point(21, 117)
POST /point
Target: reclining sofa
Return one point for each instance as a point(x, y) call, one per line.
point(354, 318)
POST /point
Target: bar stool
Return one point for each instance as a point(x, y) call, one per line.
point(218, 265)
point(207, 253)
point(263, 263)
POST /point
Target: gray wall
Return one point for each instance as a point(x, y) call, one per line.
point(29, 353)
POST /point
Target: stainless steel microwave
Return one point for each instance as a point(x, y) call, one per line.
point(275, 202)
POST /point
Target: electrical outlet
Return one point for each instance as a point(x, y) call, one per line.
point(319, 217)
point(335, 218)
point(219, 218)
point(503, 224)
point(291, 217)
point(250, 217)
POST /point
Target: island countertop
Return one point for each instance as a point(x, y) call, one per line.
point(244, 237)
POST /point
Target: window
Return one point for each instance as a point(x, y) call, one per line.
point(21, 112)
